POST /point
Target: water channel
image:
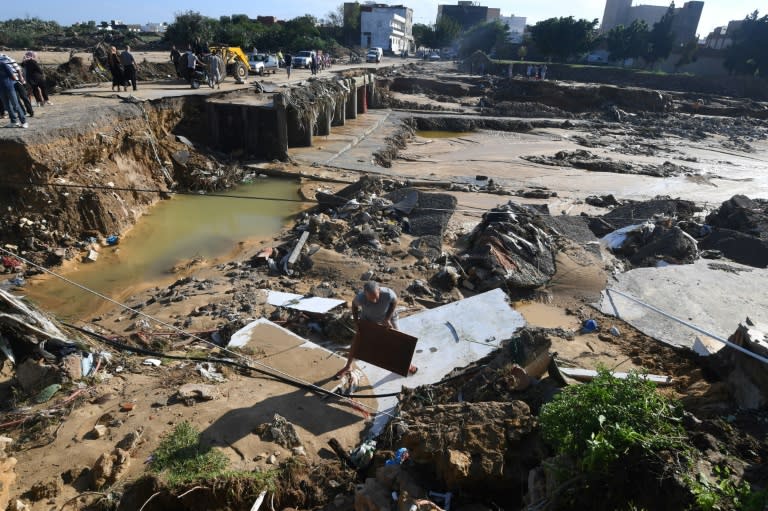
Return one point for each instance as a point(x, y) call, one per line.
point(173, 231)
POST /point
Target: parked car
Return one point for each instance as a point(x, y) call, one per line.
point(434, 56)
point(373, 56)
point(261, 63)
point(302, 59)
point(255, 64)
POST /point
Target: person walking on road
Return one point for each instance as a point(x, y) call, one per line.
point(129, 67)
point(9, 75)
point(214, 70)
point(116, 68)
point(35, 77)
point(378, 305)
point(192, 62)
point(288, 63)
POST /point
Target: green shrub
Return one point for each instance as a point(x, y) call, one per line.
point(180, 458)
point(599, 421)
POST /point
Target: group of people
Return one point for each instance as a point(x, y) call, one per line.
point(536, 72)
point(19, 83)
point(123, 68)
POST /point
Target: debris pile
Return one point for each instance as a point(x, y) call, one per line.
point(512, 247)
point(586, 160)
point(739, 231)
point(669, 231)
point(746, 376)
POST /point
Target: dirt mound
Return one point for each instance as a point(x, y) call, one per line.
point(740, 213)
point(582, 159)
point(635, 212)
point(581, 98)
point(737, 246)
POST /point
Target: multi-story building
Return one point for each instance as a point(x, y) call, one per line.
point(386, 26)
point(516, 26)
point(684, 24)
point(468, 14)
point(722, 37)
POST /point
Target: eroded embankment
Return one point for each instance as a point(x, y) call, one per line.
point(91, 171)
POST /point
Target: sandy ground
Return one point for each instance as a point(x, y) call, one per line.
point(245, 402)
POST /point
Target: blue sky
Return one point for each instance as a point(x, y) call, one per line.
point(716, 12)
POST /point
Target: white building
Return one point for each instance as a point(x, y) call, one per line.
point(387, 27)
point(516, 25)
point(157, 28)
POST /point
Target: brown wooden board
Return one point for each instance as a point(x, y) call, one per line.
point(384, 347)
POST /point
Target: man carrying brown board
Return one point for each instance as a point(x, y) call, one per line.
point(378, 305)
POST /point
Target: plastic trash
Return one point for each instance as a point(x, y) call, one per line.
point(363, 454)
point(401, 456)
point(615, 331)
point(113, 240)
point(47, 393)
point(86, 364)
point(589, 326)
point(152, 362)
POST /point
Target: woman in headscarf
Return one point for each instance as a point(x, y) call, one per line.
point(116, 68)
point(35, 77)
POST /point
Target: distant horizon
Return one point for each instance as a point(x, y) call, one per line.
point(424, 11)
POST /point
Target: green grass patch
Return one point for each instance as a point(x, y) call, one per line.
point(180, 458)
point(597, 422)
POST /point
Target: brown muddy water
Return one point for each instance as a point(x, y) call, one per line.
point(172, 232)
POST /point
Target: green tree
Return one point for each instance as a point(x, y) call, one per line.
point(351, 29)
point(628, 42)
point(446, 32)
point(484, 37)
point(191, 28)
point(423, 35)
point(563, 38)
point(747, 55)
point(689, 54)
point(661, 39)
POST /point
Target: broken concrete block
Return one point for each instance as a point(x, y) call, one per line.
point(130, 441)
point(279, 431)
point(197, 391)
point(72, 367)
point(98, 431)
point(7, 479)
point(33, 376)
point(109, 468)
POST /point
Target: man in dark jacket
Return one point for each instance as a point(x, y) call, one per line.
point(129, 66)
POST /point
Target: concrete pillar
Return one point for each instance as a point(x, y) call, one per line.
point(373, 98)
point(281, 128)
point(324, 120)
point(352, 99)
point(362, 99)
point(299, 130)
point(340, 112)
point(213, 124)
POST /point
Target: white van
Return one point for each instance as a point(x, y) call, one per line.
point(379, 51)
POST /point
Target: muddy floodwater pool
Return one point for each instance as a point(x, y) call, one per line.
point(442, 134)
point(174, 231)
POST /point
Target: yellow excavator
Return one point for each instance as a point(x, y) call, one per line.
point(235, 61)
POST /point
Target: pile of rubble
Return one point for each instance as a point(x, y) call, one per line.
point(674, 231)
point(582, 159)
point(363, 218)
point(512, 247)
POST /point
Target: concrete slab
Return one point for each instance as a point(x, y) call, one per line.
point(714, 295)
point(450, 336)
point(314, 304)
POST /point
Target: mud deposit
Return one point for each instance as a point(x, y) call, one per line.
point(436, 184)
